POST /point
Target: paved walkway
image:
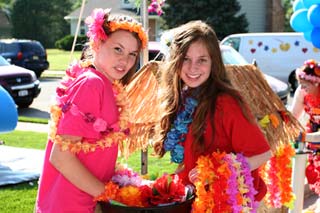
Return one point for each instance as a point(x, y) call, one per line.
point(24, 126)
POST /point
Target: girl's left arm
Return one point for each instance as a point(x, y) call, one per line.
point(257, 160)
point(74, 171)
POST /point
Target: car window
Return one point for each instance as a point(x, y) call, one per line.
point(31, 46)
point(155, 55)
point(9, 47)
point(3, 62)
point(233, 42)
point(230, 56)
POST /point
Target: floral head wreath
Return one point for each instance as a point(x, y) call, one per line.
point(100, 26)
point(310, 71)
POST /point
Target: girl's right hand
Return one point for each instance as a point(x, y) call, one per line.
point(193, 175)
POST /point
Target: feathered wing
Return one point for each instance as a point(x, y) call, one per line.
point(143, 107)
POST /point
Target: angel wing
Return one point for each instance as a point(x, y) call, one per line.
point(277, 123)
point(143, 107)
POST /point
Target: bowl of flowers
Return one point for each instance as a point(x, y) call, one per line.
point(128, 192)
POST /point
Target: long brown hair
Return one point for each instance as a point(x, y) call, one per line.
point(171, 84)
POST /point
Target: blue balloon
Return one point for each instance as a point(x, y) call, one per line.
point(315, 37)
point(299, 21)
point(307, 35)
point(8, 112)
point(297, 4)
point(314, 15)
point(308, 3)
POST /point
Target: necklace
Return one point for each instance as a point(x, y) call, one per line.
point(176, 134)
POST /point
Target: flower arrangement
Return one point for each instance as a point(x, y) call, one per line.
point(156, 7)
point(310, 71)
point(99, 23)
point(127, 188)
point(224, 184)
point(277, 175)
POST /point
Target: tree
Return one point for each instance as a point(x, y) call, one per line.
point(222, 15)
point(41, 20)
point(289, 10)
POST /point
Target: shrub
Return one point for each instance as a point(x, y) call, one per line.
point(66, 42)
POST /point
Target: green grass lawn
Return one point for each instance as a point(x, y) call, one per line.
point(21, 197)
point(60, 59)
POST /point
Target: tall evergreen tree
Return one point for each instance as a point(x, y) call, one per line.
point(40, 20)
point(222, 15)
point(30, 19)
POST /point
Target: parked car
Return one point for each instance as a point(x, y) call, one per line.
point(22, 84)
point(230, 56)
point(155, 51)
point(8, 112)
point(29, 54)
point(276, 54)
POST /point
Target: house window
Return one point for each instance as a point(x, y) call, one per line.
point(82, 28)
point(127, 4)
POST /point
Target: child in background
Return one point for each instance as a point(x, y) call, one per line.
point(89, 116)
point(202, 112)
point(307, 100)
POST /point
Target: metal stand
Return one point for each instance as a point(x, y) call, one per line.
point(298, 177)
point(143, 61)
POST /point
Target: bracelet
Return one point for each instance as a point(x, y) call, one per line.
point(102, 196)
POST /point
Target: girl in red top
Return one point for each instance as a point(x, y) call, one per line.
point(203, 113)
point(307, 100)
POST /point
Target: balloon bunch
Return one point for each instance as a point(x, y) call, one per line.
point(306, 19)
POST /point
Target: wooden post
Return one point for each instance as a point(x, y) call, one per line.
point(143, 60)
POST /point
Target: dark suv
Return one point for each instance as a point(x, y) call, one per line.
point(22, 84)
point(29, 54)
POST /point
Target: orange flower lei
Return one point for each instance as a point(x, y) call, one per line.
point(277, 175)
point(224, 184)
point(107, 140)
point(132, 27)
point(211, 184)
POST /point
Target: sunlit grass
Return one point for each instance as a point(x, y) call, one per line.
point(60, 59)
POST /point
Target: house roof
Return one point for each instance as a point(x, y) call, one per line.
point(115, 6)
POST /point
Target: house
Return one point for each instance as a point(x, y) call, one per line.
point(117, 6)
point(262, 15)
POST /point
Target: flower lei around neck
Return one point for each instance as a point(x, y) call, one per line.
point(110, 135)
point(176, 134)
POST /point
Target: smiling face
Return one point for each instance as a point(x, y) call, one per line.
point(117, 55)
point(196, 65)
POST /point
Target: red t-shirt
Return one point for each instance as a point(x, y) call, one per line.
point(233, 134)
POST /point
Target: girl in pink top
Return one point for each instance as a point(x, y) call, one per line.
point(88, 118)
